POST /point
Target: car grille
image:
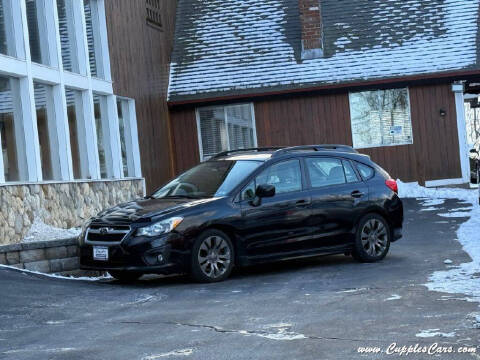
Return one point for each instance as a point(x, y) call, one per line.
point(106, 233)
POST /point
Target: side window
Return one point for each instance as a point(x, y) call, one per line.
point(325, 172)
point(350, 174)
point(249, 192)
point(285, 176)
point(365, 170)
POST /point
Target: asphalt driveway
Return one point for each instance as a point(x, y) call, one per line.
point(322, 308)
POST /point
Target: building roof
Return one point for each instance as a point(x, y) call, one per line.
point(234, 47)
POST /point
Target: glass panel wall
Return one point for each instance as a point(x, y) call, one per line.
point(100, 138)
point(8, 138)
point(74, 116)
point(92, 23)
point(41, 104)
point(66, 26)
point(123, 141)
point(37, 32)
point(6, 38)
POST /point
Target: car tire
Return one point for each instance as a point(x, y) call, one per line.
point(125, 276)
point(372, 239)
point(212, 257)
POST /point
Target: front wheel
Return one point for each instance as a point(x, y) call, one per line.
point(125, 276)
point(212, 256)
point(372, 240)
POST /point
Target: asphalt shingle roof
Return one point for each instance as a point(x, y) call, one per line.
point(231, 47)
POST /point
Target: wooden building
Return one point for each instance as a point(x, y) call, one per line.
point(386, 77)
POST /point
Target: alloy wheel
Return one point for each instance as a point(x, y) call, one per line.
point(214, 256)
point(374, 237)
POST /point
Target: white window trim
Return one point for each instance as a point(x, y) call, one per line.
point(383, 145)
point(22, 68)
point(458, 90)
point(199, 131)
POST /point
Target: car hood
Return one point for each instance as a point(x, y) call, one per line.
point(146, 209)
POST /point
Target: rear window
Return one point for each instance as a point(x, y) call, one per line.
point(366, 171)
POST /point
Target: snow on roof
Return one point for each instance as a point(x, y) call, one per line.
point(231, 47)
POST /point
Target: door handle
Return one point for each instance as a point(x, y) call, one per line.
point(303, 202)
point(357, 194)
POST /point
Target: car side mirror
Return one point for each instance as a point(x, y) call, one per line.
point(262, 191)
point(265, 190)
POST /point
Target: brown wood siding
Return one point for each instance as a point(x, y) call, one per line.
point(140, 58)
point(185, 139)
point(317, 119)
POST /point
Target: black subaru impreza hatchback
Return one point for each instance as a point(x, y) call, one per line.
point(250, 206)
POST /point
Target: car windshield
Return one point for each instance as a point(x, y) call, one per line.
point(210, 179)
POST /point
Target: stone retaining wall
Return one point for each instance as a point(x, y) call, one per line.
point(47, 256)
point(61, 205)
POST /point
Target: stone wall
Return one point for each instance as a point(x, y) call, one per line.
point(59, 256)
point(61, 205)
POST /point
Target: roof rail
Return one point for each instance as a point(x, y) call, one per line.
point(258, 149)
point(342, 148)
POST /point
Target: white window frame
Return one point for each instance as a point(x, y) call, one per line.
point(199, 131)
point(22, 68)
point(383, 145)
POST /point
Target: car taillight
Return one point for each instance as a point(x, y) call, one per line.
point(392, 185)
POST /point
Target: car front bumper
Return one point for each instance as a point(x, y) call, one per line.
point(138, 255)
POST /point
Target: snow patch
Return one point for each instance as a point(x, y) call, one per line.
point(393, 297)
point(352, 290)
point(447, 261)
point(475, 317)
point(282, 333)
point(52, 351)
point(431, 208)
point(465, 278)
point(455, 214)
point(55, 276)
point(433, 202)
point(39, 231)
point(182, 352)
point(433, 333)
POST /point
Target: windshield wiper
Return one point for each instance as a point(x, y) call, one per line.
point(181, 197)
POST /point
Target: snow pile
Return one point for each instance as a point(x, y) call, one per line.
point(55, 276)
point(464, 279)
point(43, 232)
point(434, 333)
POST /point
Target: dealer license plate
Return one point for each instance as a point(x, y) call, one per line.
point(100, 253)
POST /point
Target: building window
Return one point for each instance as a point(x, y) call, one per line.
point(472, 116)
point(122, 107)
point(381, 118)
point(7, 45)
point(8, 136)
point(92, 23)
point(224, 128)
point(154, 16)
point(45, 128)
point(101, 132)
point(37, 32)
point(66, 27)
point(74, 99)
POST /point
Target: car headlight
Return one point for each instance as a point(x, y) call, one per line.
point(159, 228)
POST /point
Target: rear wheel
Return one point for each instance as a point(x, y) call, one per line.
point(125, 276)
point(372, 240)
point(212, 256)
